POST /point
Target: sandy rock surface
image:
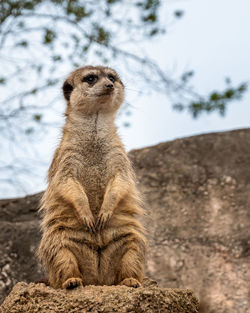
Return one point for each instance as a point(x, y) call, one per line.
point(33, 298)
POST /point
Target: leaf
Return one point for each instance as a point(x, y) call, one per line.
point(78, 10)
point(151, 4)
point(22, 43)
point(243, 87)
point(186, 76)
point(85, 48)
point(21, 24)
point(179, 13)
point(51, 82)
point(217, 101)
point(126, 124)
point(150, 18)
point(29, 5)
point(102, 36)
point(37, 117)
point(154, 31)
point(49, 36)
point(29, 130)
point(229, 93)
point(2, 80)
point(214, 96)
point(56, 58)
point(112, 1)
point(178, 107)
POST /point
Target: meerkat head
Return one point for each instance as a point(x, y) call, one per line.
point(93, 89)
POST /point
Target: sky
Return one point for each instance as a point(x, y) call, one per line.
point(213, 40)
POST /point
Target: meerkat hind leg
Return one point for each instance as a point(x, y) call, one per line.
point(65, 270)
point(132, 266)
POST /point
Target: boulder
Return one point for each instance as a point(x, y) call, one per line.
point(198, 216)
point(19, 238)
point(197, 195)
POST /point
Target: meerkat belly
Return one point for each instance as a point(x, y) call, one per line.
point(95, 173)
point(95, 188)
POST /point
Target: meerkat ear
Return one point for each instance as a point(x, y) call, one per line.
point(67, 89)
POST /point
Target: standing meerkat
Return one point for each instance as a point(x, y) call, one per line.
point(90, 232)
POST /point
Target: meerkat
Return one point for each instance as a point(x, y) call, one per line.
point(90, 234)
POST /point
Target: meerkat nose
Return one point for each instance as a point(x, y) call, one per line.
point(109, 86)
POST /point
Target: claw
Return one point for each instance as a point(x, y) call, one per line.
point(89, 224)
point(103, 219)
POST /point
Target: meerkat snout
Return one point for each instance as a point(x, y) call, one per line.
point(109, 86)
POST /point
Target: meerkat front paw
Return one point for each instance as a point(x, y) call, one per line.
point(130, 282)
point(103, 218)
point(89, 222)
point(72, 283)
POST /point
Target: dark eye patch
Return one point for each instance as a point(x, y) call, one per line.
point(90, 78)
point(67, 89)
point(112, 77)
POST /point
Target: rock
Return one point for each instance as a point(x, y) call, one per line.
point(19, 238)
point(40, 298)
point(198, 195)
point(197, 191)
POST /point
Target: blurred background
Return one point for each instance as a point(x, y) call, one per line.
point(185, 65)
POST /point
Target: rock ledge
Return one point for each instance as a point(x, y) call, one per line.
point(149, 298)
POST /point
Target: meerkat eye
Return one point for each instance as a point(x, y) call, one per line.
point(112, 78)
point(90, 79)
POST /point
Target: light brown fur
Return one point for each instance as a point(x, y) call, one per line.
point(90, 231)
